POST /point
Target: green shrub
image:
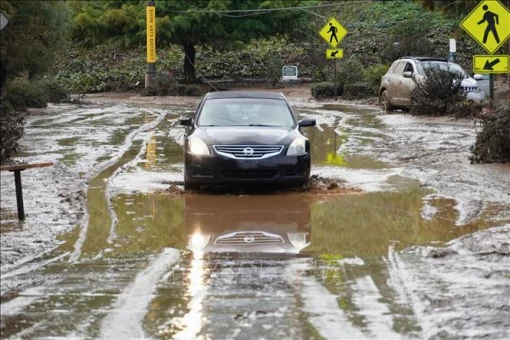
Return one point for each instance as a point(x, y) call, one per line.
point(349, 72)
point(357, 91)
point(440, 93)
point(324, 90)
point(55, 92)
point(11, 130)
point(274, 65)
point(493, 141)
point(22, 95)
point(373, 75)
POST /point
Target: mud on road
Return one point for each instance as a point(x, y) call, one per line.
point(398, 236)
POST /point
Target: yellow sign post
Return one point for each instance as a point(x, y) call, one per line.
point(490, 63)
point(333, 32)
point(334, 53)
point(488, 24)
point(151, 34)
point(150, 74)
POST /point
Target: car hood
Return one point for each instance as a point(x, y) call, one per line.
point(469, 82)
point(244, 135)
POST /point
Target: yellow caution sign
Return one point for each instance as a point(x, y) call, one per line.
point(488, 24)
point(151, 34)
point(490, 63)
point(333, 32)
point(334, 53)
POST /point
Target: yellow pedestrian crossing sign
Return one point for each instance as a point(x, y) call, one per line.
point(334, 53)
point(333, 32)
point(490, 63)
point(488, 24)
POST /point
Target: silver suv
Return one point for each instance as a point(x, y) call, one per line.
point(406, 72)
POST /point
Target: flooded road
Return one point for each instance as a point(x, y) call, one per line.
point(113, 248)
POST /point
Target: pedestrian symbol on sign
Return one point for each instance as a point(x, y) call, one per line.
point(492, 20)
point(332, 30)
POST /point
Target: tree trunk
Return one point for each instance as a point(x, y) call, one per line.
point(189, 63)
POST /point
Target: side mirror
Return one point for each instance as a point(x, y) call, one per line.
point(307, 122)
point(408, 74)
point(186, 122)
point(478, 77)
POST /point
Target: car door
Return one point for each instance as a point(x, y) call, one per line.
point(394, 91)
point(407, 84)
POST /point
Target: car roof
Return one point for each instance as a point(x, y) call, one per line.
point(245, 94)
point(425, 58)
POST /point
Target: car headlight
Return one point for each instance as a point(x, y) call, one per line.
point(298, 147)
point(298, 240)
point(198, 146)
point(198, 241)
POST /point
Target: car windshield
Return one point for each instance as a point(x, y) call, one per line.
point(246, 112)
point(452, 67)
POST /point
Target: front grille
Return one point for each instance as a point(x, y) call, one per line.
point(248, 151)
point(248, 174)
point(470, 88)
point(248, 237)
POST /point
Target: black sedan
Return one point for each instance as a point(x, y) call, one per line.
point(245, 137)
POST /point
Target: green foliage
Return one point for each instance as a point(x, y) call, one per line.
point(31, 38)
point(373, 74)
point(107, 68)
point(440, 93)
point(11, 130)
point(357, 91)
point(274, 67)
point(54, 91)
point(493, 141)
point(189, 24)
point(350, 71)
point(22, 95)
point(457, 9)
point(324, 90)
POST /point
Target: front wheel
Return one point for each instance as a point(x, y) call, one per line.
point(384, 103)
point(191, 185)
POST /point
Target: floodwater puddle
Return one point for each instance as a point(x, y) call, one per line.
point(296, 264)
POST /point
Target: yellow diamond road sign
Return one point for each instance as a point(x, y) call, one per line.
point(488, 24)
point(333, 32)
point(490, 63)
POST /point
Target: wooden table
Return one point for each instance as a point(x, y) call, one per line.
point(17, 168)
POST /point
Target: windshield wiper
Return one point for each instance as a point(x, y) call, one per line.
point(262, 125)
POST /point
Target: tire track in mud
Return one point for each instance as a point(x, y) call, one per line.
point(97, 207)
point(125, 320)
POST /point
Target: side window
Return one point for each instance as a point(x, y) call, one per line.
point(399, 70)
point(409, 68)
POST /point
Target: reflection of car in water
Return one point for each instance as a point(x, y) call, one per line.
point(265, 224)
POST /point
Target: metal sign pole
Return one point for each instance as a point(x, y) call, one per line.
point(491, 84)
point(334, 66)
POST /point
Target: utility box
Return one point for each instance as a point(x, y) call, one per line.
point(289, 73)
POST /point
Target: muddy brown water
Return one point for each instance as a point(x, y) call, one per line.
point(243, 256)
